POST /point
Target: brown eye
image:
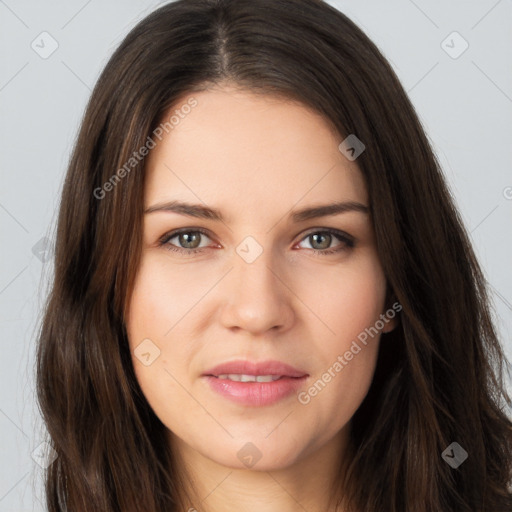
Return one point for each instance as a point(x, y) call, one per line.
point(321, 241)
point(187, 240)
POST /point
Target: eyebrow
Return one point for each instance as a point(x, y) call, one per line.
point(203, 212)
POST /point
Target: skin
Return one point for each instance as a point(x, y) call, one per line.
point(256, 158)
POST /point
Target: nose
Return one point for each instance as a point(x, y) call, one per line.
point(258, 296)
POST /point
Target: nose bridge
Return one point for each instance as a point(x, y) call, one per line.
point(256, 299)
point(254, 270)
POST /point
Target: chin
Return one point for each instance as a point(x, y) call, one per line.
point(256, 454)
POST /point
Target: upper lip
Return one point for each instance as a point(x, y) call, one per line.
point(241, 367)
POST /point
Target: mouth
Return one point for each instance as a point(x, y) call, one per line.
point(255, 384)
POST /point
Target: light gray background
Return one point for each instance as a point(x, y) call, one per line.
point(465, 104)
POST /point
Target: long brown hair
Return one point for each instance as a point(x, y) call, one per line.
point(439, 377)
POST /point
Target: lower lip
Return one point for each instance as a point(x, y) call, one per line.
point(255, 393)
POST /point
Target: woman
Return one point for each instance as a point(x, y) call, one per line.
point(264, 297)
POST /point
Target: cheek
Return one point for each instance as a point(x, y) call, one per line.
point(161, 299)
point(346, 353)
point(347, 300)
point(333, 397)
point(153, 310)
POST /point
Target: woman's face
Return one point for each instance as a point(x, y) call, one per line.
point(262, 284)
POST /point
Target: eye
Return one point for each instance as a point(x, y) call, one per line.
point(189, 239)
point(321, 241)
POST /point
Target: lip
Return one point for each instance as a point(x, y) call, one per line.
point(255, 394)
point(253, 368)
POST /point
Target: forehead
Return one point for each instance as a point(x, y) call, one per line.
point(246, 151)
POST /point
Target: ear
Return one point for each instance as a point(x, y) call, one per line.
point(391, 312)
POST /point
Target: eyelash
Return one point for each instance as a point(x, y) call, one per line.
point(347, 240)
